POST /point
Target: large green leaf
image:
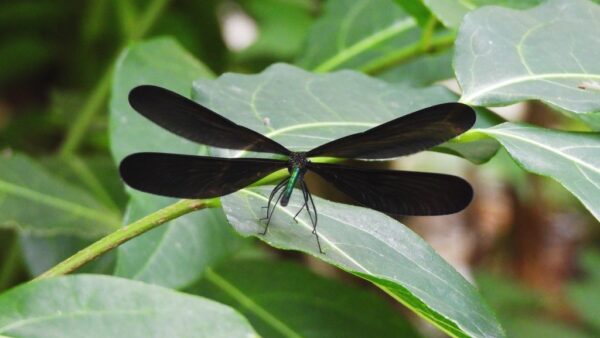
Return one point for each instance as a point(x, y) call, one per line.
point(302, 110)
point(286, 300)
point(549, 53)
point(377, 248)
point(35, 201)
point(95, 306)
point(357, 34)
point(175, 254)
point(571, 158)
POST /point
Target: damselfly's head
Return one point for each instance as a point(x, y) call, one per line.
point(297, 160)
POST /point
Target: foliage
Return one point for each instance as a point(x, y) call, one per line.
point(350, 65)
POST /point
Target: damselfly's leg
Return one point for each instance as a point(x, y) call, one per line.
point(273, 192)
point(303, 205)
point(269, 216)
point(314, 221)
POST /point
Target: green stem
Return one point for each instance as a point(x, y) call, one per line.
point(100, 92)
point(428, 31)
point(408, 52)
point(365, 44)
point(90, 108)
point(126, 233)
point(11, 264)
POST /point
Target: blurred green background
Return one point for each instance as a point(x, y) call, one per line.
point(527, 243)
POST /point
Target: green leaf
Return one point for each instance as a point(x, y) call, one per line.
point(451, 12)
point(549, 53)
point(377, 248)
point(35, 201)
point(357, 34)
point(102, 306)
point(285, 300)
point(302, 110)
point(568, 157)
point(176, 254)
point(322, 107)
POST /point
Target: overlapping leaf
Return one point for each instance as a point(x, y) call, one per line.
point(505, 56)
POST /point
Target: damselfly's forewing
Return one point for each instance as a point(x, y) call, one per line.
point(197, 123)
point(393, 192)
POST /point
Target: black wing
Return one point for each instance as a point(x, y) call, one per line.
point(186, 176)
point(405, 135)
point(197, 123)
point(399, 192)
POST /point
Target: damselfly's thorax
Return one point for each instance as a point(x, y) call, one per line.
point(297, 160)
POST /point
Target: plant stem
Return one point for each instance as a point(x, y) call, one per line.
point(408, 52)
point(126, 233)
point(11, 262)
point(90, 108)
point(99, 94)
point(428, 31)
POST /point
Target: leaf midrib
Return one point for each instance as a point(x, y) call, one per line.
point(550, 149)
point(520, 79)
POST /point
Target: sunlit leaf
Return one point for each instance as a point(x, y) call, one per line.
point(549, 53)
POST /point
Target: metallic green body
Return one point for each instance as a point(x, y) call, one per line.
point(295, 175)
